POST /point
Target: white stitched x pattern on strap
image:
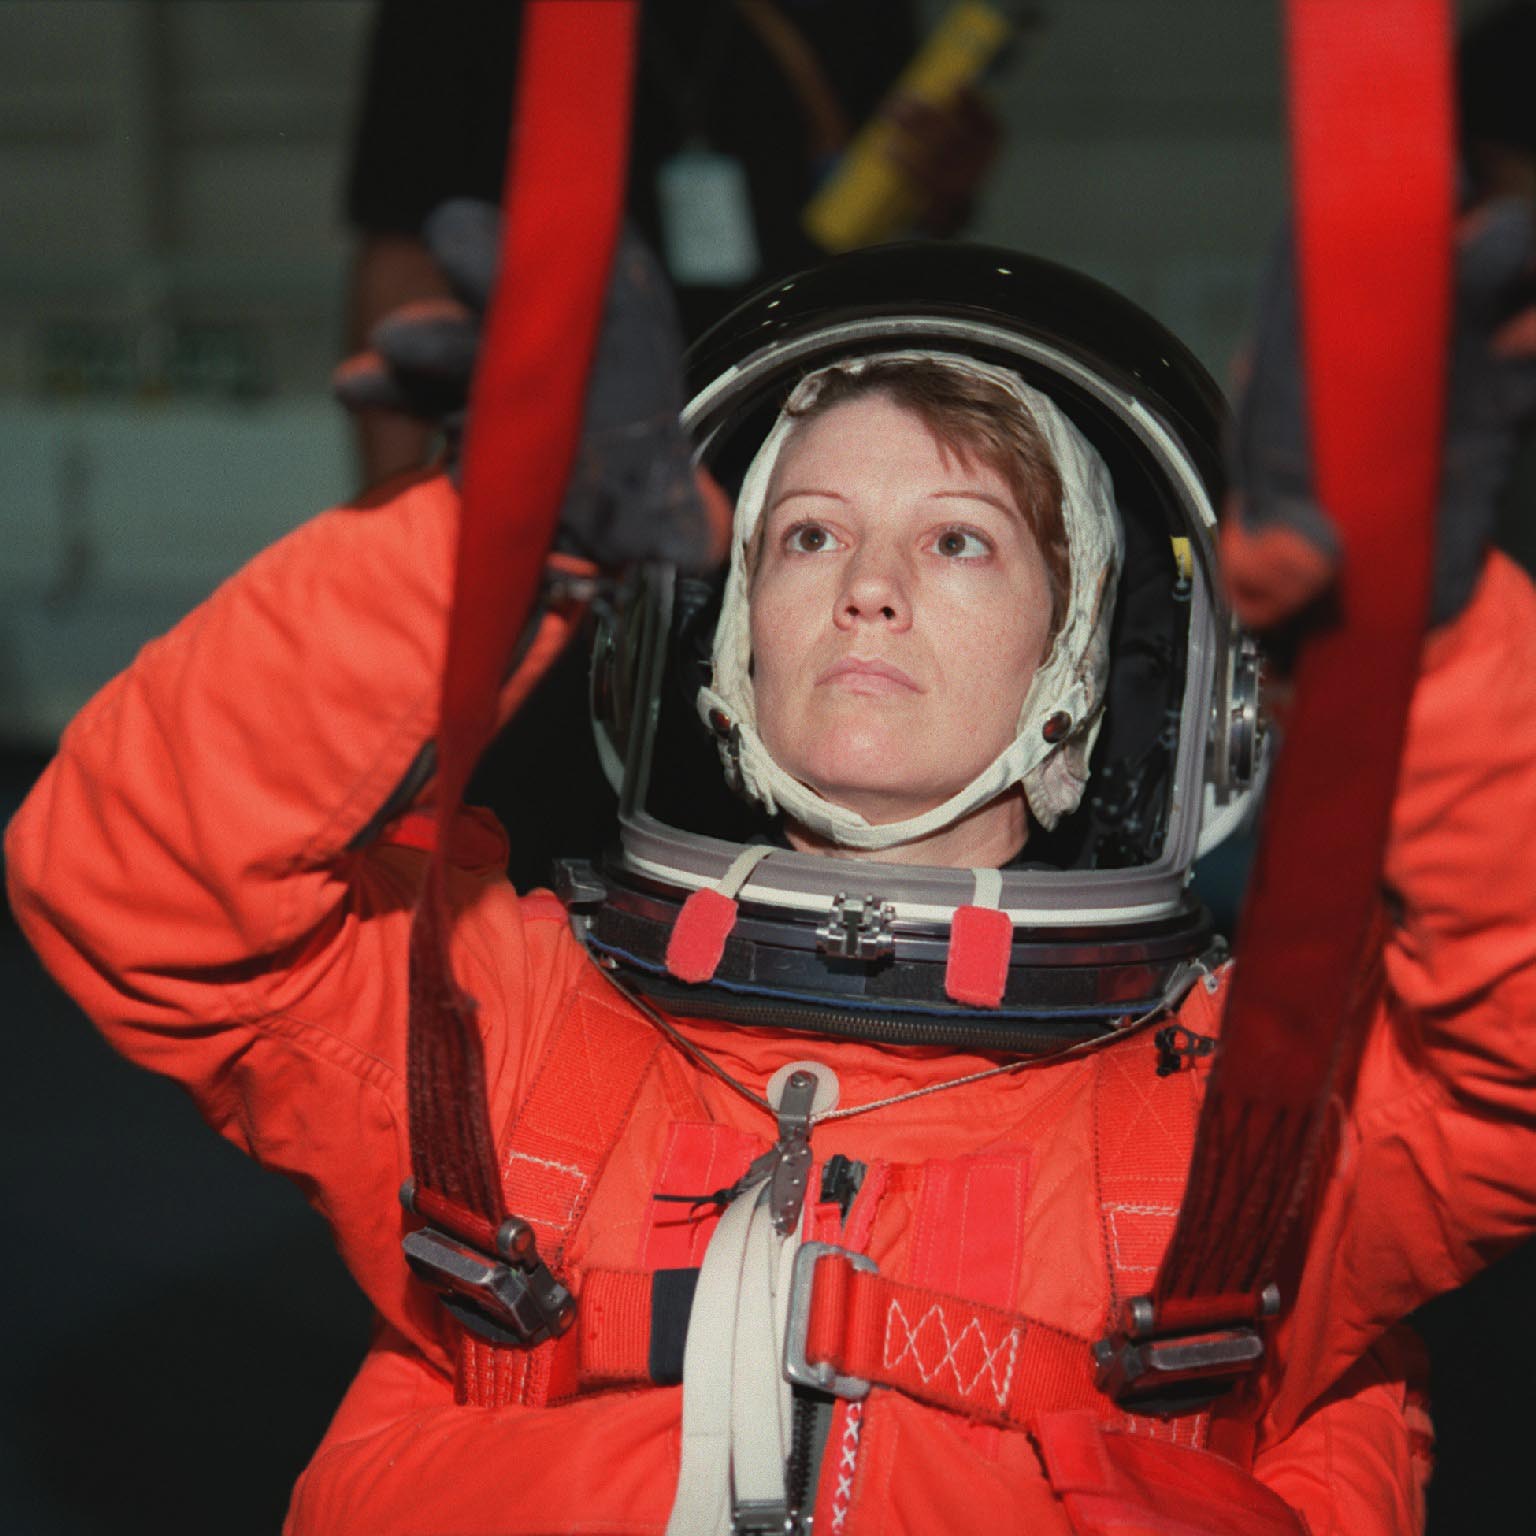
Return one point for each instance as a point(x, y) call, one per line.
point(847, 1464)
point(968, 1354)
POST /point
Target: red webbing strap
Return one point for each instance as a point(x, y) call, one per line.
point(992, 1365)
point(1372, 137)
point(564, 199)
point(1144, 1127)
point(583, 1095)
point(987, 1363)
point(615, 1327)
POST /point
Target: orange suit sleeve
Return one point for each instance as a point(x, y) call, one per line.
point(1432, 1172)
point(189, 865)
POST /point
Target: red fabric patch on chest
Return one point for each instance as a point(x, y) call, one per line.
point(968, 1240)
point(968, 1231)
point(698, 1159)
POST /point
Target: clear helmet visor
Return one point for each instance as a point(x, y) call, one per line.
point(1175, 661)
point(1099, 908)
point(1177, 753)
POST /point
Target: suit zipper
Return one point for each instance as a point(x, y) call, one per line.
point(841, 1180)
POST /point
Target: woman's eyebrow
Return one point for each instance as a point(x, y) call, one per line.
point(778, 501)
point(992, 501)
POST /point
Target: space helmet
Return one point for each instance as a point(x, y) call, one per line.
point(1139, 746)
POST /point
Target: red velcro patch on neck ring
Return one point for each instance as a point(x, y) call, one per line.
point(699, 935)
point(980, 946)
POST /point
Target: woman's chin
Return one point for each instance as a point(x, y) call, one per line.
point(885, 770)
point(881, 792)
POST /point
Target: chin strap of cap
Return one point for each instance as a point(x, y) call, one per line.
point(563, 199)
point(1372, 135)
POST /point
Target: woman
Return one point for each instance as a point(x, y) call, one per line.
point(793, 1033)
point(952, 543)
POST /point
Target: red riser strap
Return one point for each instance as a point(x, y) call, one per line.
point(564, 198)
point(564, 201)
point(1372, 135)
point(582, 1097)
point(984, 1362)
point(466, 1225)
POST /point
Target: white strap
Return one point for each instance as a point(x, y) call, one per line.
point(702, 1506)
point(737, 1405)
point(741, 867)
point(760, 1395)
point(989, 887)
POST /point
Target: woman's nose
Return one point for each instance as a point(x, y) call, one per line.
point(875, 592)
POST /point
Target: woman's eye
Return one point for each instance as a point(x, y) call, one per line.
point(961, 544)
point(810, 539)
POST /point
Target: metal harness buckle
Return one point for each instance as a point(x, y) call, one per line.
point(821, 1374)
point(1166, 1372)
point(509, 1299)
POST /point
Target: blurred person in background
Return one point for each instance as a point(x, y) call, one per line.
point(1490, 384)
point(1498, 125)
point(742, 107)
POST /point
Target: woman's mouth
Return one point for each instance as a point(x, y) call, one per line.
point(868, 675)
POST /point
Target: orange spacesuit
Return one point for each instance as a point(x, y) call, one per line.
point(188, 868)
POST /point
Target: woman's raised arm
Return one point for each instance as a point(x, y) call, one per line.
point(1434, 1172)
point(187, 851)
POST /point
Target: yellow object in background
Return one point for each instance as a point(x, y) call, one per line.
point(867, 197)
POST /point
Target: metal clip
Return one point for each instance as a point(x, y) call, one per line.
point(578, 884)
point(821, 1374)
point(857, 929)
point(1177, 1372)
point(763, 1517)
point(581, 892)
point(1179, 1046)
point(791, 1169)
point(510, 1299)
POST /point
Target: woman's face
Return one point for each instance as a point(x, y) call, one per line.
point(900, 607)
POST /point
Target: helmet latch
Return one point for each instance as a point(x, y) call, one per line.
point(857, 929)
